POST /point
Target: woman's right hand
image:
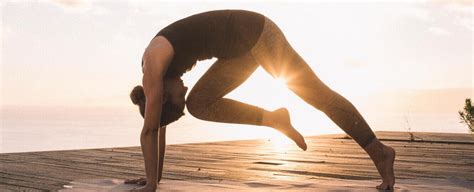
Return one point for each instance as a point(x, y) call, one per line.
point(140, 181)
point(145, 188)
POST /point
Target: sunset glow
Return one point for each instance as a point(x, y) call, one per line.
point(390, 59)
point(280, 143)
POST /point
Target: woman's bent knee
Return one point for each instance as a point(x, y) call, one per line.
point(193, 106)
point(197, 105)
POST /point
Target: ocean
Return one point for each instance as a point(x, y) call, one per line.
point(29, 129)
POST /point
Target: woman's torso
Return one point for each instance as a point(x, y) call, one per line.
point(221, 34)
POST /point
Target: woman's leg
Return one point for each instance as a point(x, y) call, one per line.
point(206, 100)
point(280, 60)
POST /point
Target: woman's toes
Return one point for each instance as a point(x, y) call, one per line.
point(303, 145)
point(384, 186)
point(380, 187)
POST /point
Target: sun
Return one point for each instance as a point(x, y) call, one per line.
point(262, 90)
point(280, 82)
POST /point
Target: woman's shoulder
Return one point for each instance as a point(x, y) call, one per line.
point(158, 52)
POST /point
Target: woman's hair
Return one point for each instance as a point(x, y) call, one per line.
point(169, 113)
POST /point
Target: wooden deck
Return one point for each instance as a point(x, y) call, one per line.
point(430, 156)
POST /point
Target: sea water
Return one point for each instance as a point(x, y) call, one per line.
point(25, 129)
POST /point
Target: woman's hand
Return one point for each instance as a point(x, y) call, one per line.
point(140, 181)
point(146, 188)
point(142, 185)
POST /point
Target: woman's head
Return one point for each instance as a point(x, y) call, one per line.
point(174, 101)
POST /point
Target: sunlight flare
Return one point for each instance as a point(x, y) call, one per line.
point(280, 143)
point(281, 81)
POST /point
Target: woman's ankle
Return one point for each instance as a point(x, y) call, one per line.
point(267, 118)
point(373, 145)
point(376, 150)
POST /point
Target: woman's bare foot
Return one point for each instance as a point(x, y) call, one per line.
point(383, 157)
point(280, 120)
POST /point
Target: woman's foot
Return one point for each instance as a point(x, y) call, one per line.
point(383, 158)
point(280, 120)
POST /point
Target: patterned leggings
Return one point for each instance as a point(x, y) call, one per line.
point(273, 52)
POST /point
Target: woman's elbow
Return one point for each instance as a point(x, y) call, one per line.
point(149, 132)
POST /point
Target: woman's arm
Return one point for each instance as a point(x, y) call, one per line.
point(156, 59)
point(162, 148)
point(149, 134)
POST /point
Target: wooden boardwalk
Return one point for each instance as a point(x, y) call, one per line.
point(430, 156)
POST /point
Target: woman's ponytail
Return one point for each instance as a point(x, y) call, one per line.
point(138, 98)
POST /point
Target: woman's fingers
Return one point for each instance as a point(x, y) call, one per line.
point(142, 182)
point(129, 181)
point(134, 181)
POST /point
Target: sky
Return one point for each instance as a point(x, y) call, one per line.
point(88, 53)
point(405, 65)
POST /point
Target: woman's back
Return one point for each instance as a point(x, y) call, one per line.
point(221, 34)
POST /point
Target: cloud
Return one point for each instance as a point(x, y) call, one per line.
point(441, 15)
point(439, 31)
point(81, 6)
point(69, 3)
point(354, 63)
point(421, 14)
point(461, 11)
point(457, 2)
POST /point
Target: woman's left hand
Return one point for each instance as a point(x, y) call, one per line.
point(146, 188)
point(140, 181)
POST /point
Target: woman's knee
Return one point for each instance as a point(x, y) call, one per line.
point(197, 104)
point(192, 104)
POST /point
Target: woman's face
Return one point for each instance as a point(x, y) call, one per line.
point(176, 91)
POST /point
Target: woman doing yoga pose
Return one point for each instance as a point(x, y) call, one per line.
point(241, 41)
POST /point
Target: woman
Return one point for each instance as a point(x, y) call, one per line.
point(241, 41)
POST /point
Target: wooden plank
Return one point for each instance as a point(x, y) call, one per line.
point(328, 156)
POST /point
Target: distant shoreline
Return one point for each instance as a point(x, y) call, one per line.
point(467, 139)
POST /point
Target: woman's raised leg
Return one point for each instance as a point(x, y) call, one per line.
point(206, 100)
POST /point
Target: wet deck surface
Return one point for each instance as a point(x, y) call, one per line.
point(432, 156)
